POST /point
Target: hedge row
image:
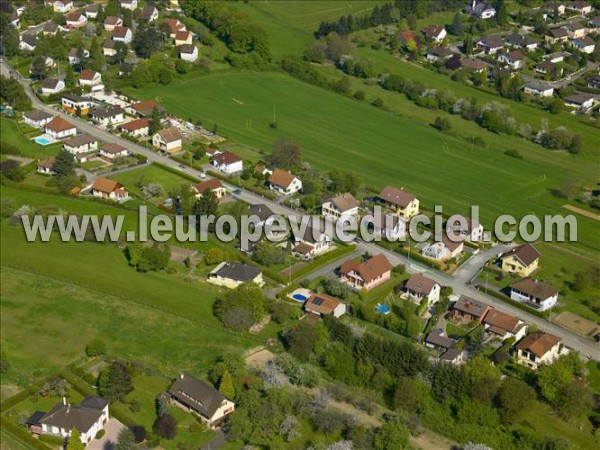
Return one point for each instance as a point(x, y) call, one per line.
point(321, 260)
point(21, 434)
point(512, 302)
point(421, 258)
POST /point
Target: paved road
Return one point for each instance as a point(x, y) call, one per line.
point(583, 345)
point(473, 265)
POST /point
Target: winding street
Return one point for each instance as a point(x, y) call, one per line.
point(584, 346)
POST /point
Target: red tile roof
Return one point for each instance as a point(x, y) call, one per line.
point(58, 124)
point(368, 270)
point(538, 343)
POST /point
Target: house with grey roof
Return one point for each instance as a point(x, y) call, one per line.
point(195, 396)
point(233, 274)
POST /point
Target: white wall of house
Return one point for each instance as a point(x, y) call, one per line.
point(190, 57)
point(237, 166)
point(61, 134)
point(295, 186)
point(82, 148)
point(533, 361)
point(545, 304)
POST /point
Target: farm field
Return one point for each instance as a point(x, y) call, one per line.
point(339, 132)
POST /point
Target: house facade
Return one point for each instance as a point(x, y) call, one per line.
point(418, 287)
point(504, 326)
point(137, 127)
point(108, 189)
point(341, 207)
point(59, 128)
point(536, 294)
point(112, 151)
point(84, 143)
point(36, 118)
point(389, 226)
point(311, 243)
point(521, 260)
point(89, 417)
point(188, 52)
point(206, 402)
point(45, 166)
point(107, 116)
point(214, 185)
point(233, 274)
point(539, 348)
point(367, 274)
point(467, 310)
point(73, 103)
point(168, 140)
point(284, 183)
point(404, 203)
point(324, 305)
point(227, 162)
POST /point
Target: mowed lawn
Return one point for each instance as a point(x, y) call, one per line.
point(134, 179)
point(339, 132)
point(12, 138)
point(56, 297)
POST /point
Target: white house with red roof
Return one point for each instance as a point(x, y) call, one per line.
point(227, 162)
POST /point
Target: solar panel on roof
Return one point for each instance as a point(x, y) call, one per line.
point(318, 301)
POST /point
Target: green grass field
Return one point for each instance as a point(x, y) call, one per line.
point(339, 132)
point(11, 138)
point(133, 179)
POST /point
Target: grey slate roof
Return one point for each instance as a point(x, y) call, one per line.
point(197, 394)
point(238, 271)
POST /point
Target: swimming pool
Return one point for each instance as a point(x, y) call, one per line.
point(42, 140)
point(299, 297)
point(382, 309)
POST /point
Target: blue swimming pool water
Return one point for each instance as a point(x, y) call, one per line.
point(299, 297)
point(382, 309)
point(42, 140)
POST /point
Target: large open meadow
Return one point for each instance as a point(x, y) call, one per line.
point(384, 148)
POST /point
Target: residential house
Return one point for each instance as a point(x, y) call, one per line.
point(284, 183)
point(434, 32)
point(443, 250)
point(555, 8)
point(539, 89)
point(515, 59)
point(36, 118)
point(122, 34)
point(50, 28)
point(188, 52)
point(404, 203)
point(466, 309)
point(107, 116)
point(168, 140)
point(550, 68)
point(556, 36)
point(27, 42)
point(73, 103)
point(538, 348)
point(580, 101)
point(367, 274)
point(504, 325)
point(137, 127)
point(324, 305)
point(109, 48)
point(227, 162)
point(76, 55)
point(111, 22)
point(91, 11)
point(90, 78)
point(83, 143)
point(14, 20)
point(418, 287)
point(471, 231)
point(521, 41)
point(52, 86)
point(59, 128)
point(60, 6)
point(537, 294)
point(521, 260)
point(213, 184)
point(175, 26)
point(149, 14)
point(125, 68)
point(263, 212)
point(144, 109)
point(108, 189)
point(310, 243)
point(89, 418)
point(452, 356)
point(555, 57)
point(473, 64)
point(594, 82)
point(129, 4)
point(438, 340)
point(480, 9)
point(582, 7)
point(594, 25)
point(112, 151)
point(585, 44)
point(193, 395)
point(491, 45)
point(233, 274)
point(436, 54)
point(49, 64)
point(407, 37)
point(45, 166)
point(575, 30)
point(341, 207)
point(389, 226)
point(76, 20)
point(183, 37)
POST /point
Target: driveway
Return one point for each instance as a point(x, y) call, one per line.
point(473, 265)
point(108, 441)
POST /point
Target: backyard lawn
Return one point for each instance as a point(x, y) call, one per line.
point(13, 141)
